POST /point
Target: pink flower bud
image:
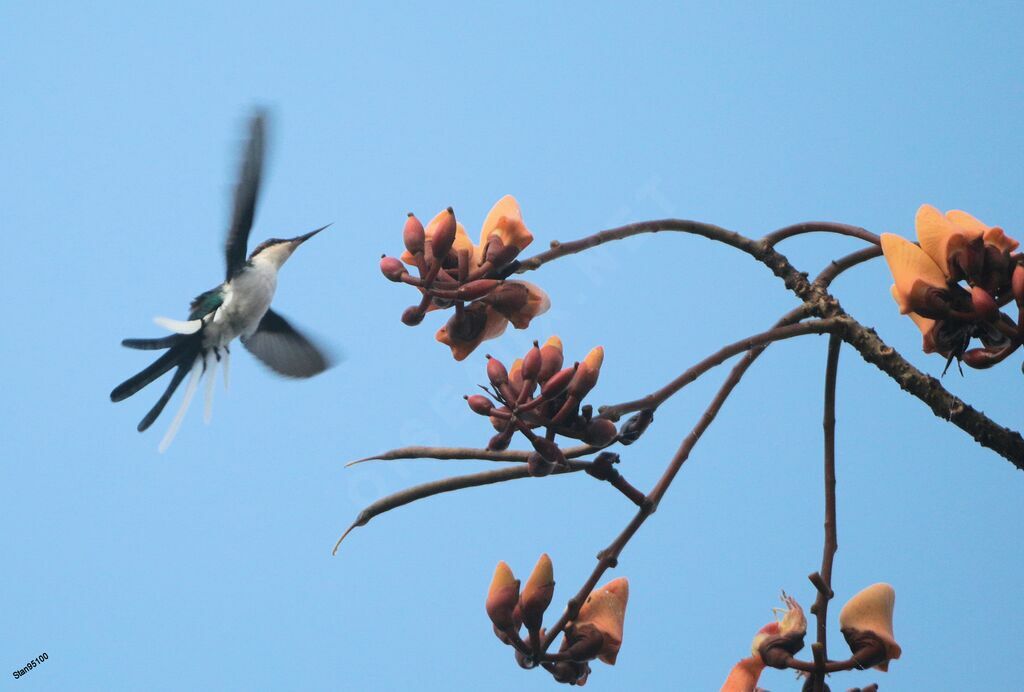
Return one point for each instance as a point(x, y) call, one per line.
point(557, 383)
point(532, 363)
point(600, 433)
point(477, 289)
point(549, 450)
point(412, 316)
point(551, 358)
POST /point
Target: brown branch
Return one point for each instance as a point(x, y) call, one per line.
point(778, 236)
point(450, 453)
point(822, 580)
point(778, 333)
point(1007, 443)
point(446, 485)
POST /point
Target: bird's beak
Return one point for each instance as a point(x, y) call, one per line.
point(299, 240)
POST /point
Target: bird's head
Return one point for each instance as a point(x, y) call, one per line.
point(277, 250)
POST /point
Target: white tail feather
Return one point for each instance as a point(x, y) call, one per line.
point(227, 357)
point(211, 379)
point(190, 390)
point(178, 326)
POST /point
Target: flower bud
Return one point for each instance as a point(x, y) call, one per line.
point(532, 363)
point(984, 305)
point(413, 235)
point(515, 377)
point(981, 358)
point(443, 237)
point(412, 316)
point(583, 381)
point(496, 372)
point(501, 441)
point(551, 358)
point(594, 359)
point(557, 383)
point(549, 450)
point(601, 432)
point(502, 598)
point(605, 609)
point(1017, 283)
point(480, 404)
point(477, 289)
point(571, 672)
point(537, 594)
point(866, 622)
point(537, 466)
point(635, 426)
point(392, 268)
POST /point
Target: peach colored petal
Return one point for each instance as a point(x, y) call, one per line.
point(939, 237)
point(605, 608)
point(925, 324)
point(744, 675)
point(506, 220)
point(870, 610)
point(966, 222)
point(909, 264)
point(461, 348)
point(997, 237)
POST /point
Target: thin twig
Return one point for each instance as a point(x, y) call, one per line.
point(822, 580)
point(778, 236)
point(655, 399)
point(450, 453)
point(446, 485)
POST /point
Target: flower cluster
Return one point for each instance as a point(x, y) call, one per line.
point(596, 632)
point(453, 272)
point(865, 621)
point(537, 392)
point(955, 248)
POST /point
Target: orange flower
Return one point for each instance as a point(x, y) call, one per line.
point(920, 282)
point(605, 609)
point(504, 224)
point(513, 301)
point(744, 675)
point(537, 593)
point(870, 612)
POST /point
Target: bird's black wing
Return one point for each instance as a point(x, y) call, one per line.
point(246, 192)
point(284, 350)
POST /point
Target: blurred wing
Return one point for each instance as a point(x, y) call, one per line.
point(246, 193)
point(284, 350)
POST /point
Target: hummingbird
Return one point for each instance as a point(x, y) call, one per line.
point(239, 307)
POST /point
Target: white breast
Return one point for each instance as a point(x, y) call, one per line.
point(246, 299)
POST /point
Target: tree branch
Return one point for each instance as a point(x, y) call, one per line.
point(823, 580)
point(451, 453)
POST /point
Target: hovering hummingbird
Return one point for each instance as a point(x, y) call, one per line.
point(239, 307)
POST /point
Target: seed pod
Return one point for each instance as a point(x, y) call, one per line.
point(413, 235)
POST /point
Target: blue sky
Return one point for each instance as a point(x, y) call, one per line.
point(209, 567)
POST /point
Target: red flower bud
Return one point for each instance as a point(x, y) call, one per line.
point(981, 358)
point(583, 381)
point(392, 268)
point(557, 383)
point(532, 363)
point(444, 235)
point(477, 289)
point(600, 433)
point(551, 358)
point(413, 235)
point(501, 441)
point(1017, 283)
point(496, 372)
point(537, 466)
point(412, 316)
point(549, 450)
point(480, 404)
point(983, 303)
